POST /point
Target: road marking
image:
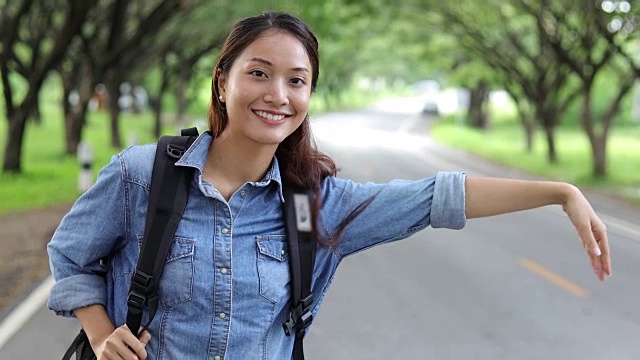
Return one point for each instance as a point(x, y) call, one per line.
point(558, 280)
point(23, 312)
point(621, 227)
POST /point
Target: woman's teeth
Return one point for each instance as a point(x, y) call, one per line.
point(268, 116)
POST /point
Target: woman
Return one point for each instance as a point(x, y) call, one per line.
point(225, 286)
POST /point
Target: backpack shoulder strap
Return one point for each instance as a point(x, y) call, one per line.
point(302, 254)
point(167, 201)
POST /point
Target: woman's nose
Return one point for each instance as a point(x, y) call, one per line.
point(277, 94)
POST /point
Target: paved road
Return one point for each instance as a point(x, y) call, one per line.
point(516, 286)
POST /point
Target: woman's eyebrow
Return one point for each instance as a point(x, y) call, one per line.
point(268, 63)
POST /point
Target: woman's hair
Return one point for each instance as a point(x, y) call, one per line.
point(301, 163)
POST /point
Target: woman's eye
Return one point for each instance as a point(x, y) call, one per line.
point(258, 73)
point(298, 81)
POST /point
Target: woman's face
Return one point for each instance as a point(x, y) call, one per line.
point(267, 90)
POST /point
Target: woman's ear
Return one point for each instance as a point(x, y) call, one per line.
point(222, 83)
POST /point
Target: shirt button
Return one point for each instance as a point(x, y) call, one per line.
point(217, 357)
point(223, 270)
point(243, 193)
point(223, 315)
point(225, 230)
point(282, 252)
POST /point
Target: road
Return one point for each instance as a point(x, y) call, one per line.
point(515, 286)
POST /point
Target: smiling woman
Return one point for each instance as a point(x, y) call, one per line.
point(268, 93)
point(228, 265)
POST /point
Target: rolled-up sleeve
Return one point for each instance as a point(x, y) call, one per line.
point(395, 210)
point(87, 234)
point(447, 206)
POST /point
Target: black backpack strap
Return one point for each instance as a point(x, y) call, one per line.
point(302, 254)
point(167, 201)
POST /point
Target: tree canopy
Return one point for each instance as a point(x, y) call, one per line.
point(546, 54)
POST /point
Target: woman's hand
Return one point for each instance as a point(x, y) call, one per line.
point(494, 196)
point(122, 344)
point(592, 232)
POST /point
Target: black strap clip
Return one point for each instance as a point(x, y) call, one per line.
point(143, 289)
point(142, 281)
point(135, 302)
point(300, 316)
point(175, 151)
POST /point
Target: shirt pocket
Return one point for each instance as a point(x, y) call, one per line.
point(273, 267)
point(176, 281)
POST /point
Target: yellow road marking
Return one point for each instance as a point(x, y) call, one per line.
point(558, 280)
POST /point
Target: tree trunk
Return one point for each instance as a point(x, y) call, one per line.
point(113, 89)
point(13, 149)
point(75, 116)
point(157, 114)
point(157, 105)
point(477, 114)
point(599, 148)
point(181, 98)
point(587, 125)
point(551, 144)
point(37, 115)
point(73, 132)
point(529, 128)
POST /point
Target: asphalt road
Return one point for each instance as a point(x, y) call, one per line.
point(515, 286)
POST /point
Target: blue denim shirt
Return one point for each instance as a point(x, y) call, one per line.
point(225, 285)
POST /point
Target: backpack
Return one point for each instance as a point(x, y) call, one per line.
point(167, 200)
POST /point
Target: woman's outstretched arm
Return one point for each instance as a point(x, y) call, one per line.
point(494, 196)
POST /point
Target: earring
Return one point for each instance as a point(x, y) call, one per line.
point(222, 104)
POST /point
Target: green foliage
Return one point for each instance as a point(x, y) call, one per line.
point(393, 42)
point(505, 145)
point(604, 90)
point(50, 177)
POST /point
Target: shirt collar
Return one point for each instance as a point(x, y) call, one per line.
point(196, 156)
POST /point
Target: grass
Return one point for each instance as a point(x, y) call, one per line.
point(48, 176)
point(504, 144)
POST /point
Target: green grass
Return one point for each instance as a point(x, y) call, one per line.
point(50, 177)
point(504, 144)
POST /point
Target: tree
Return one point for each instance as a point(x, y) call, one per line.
point(49, 41)
point(510, 42)
point(591, 44)
point(179, 51)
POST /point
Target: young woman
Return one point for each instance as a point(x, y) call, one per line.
point(225, 285)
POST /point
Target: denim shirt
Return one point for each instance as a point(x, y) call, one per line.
point(225, 285)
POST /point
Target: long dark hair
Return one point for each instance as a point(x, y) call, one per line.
point(301, 163)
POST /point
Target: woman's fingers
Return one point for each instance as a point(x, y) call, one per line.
point(145, 337)
point(594, 240)
point(600, 234)
point(122, 344)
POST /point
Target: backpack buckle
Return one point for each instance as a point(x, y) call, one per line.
point(135, 302)
point(300, 317)
point(175, 151)
point(143, 290)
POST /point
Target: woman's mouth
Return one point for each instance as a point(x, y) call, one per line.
point(271, 118)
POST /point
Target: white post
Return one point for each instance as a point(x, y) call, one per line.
point(85, 157)
point(133, 139)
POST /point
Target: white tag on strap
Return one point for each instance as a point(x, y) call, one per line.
point(303, 212)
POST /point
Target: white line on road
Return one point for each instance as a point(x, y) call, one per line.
point(622, 227)
point(23, 312)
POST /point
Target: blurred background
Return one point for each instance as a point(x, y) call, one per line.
point(519, 88)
